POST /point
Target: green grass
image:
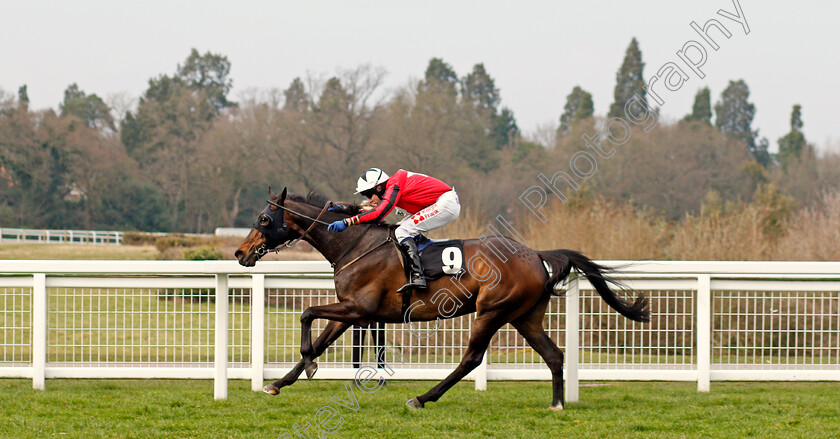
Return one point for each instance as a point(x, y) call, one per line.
point(185, 409)
point(77, 251)
point(227, 246)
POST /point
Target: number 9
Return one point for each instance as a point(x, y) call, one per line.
point(451, 257)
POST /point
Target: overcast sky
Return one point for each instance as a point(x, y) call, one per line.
point(537, 51)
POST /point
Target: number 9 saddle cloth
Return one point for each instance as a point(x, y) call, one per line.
point(439, 258)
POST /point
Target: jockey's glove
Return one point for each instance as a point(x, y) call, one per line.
point(338, 226)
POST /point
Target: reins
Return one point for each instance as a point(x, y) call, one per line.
point(314, 220)
point(262, 250)
point(311, 226)
point(317, 220)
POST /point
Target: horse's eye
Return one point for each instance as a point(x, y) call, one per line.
point(265, 220)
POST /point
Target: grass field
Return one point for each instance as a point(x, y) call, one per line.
point(77, 251)
point(185, 409)
point(227, 246)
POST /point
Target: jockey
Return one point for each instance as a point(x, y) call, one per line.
point(430, 202)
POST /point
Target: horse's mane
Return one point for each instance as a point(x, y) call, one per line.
point(312, 198)
point(316, 199)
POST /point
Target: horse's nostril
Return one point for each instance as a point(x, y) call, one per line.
point(238, 254)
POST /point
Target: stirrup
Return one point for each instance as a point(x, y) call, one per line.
point(414, 282)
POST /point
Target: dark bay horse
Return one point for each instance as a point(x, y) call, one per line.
point(503, 282)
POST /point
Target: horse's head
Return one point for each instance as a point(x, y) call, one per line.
point(268, 231)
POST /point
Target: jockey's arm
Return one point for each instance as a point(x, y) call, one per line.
point(389, 201)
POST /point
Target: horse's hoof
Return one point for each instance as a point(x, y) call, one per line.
point(310, 370)
point(414, 403)
point(271, 389)
point(558, 407)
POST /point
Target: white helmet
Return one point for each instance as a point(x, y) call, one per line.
point(370, 179)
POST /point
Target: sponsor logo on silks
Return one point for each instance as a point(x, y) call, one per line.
point(424, 215)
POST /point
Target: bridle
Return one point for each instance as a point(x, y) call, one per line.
point(314, 220)
point(278, 234)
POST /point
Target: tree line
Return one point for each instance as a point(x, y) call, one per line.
point(187, 158)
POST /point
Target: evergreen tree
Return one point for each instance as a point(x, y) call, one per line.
point(479, 90)
point(23, 97)
point(440, 76)
point(578, 107)
point(629, 80)
point(163, 135)
point(793, 143)
point(505, 128)
point(702, 109)
point(761, 154)
point(89, 108)
point(208, 74)
point(480, 93)
point(735, 114)
point(334, 97)
point(296, 97)
point(180, 105)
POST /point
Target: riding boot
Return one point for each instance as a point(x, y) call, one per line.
point(416, 279)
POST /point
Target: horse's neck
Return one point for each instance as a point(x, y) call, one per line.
point(331, 245)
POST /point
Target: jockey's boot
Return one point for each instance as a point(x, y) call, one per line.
point(416, 279)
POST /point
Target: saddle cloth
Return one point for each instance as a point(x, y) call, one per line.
point(440, 258)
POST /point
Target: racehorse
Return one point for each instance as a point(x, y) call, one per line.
point(503, 282)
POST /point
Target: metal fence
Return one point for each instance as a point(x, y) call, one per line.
point(215, 319)
point(47, 236)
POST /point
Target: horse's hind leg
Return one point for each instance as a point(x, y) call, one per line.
point(331, 332)
point(530, 326)
point(482, 332)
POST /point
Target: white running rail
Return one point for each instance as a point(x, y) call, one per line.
point(158, 319)
point(46, 236)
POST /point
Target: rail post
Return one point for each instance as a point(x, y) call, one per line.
point(39, 330)
point(572, 339)
point(704, 332)
point(257, 331)
point(221, 356)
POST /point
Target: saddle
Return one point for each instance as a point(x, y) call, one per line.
point(438, 257)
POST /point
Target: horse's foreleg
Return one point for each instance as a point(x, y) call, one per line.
point(344, 312)
point(330, 334)
point(482, 332)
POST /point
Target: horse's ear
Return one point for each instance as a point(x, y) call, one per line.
point(271, 193)
point(282, 197)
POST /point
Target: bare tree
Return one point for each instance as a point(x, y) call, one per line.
point(544, 134)
point(121, 103)
point(331, 142)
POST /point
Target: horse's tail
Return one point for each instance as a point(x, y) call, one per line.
point(563, 261)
